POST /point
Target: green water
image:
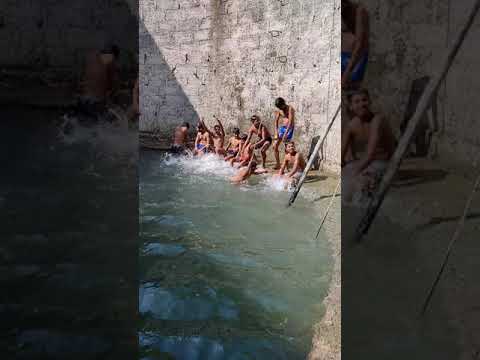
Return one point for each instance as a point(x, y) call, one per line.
point(227, 272)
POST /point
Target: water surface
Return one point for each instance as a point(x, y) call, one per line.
point(227, 272)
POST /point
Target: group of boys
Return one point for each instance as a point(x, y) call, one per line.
point(240, 149)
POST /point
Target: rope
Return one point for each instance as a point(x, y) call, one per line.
point(456, 235)
point(328, 208)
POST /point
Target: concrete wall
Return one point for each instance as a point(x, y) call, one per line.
point(232, 58)
point(408, 41)
point(56, 34)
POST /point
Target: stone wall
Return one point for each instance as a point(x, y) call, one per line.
point(57, 34)
point(408, 41)
point(232, 58)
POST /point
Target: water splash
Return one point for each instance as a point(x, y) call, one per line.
point(211, 165)
point(111, 141)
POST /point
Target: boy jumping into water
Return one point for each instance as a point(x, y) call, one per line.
point(286, 116)
point(265, 139)
point(202, 141)
point(296, 160)
point(370, 129)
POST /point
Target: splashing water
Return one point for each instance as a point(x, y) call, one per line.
point(114, 142)
point(211, 165)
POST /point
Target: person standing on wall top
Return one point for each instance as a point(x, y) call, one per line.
point(284, 133)
point(355, 43)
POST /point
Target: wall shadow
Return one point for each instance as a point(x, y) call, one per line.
point(163, 104)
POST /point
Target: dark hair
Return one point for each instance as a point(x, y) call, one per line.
point(361, 91)
point(236, 130)
point(186, 124)
point(254, 118)
point(280, 102)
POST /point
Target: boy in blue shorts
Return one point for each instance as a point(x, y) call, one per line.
point(285, 117)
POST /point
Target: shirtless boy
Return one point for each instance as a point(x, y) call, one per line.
point(234, 144)
point(246, 152)
point(244, 173)
point(217, 136)
point(285, 116)
point(355, 43)
point(180, 138)
point(202, 141)
point(265, 138)
point(100, 80)
point(296, 161)
point(374, 132)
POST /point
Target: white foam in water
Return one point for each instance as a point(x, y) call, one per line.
point(112, 141)
point(277, 183)
point(207, 165)
point(211, 165)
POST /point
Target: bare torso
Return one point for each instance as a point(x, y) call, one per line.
point(363, 131)
point(234, 143)
point(218, 141)
point(291, 159)
point(357, 20)
point(204, 138)
point(262, 133)
point(283, 118)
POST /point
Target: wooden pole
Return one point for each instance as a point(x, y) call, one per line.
point(402, 147)
point(312, 158)
point(456, 235)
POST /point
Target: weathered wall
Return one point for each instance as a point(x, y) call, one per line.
point(56, 34)
point(408, 41)
point(232, 58)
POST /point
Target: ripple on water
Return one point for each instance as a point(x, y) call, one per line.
point(155, 249)
point(264, 272)
point(200, 348)
point(185, 303)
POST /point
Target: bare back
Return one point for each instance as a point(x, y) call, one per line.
point(98, 77)
point(180, 136)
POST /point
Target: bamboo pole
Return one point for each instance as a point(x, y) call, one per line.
point(402, 147)
point(456, 235)
point(312, 158)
